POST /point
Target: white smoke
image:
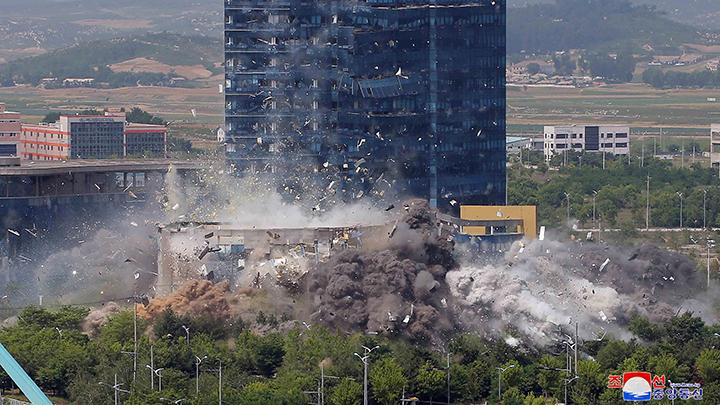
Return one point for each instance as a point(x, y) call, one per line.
point(541, 290)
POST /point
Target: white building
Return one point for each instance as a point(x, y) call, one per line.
point(10, 128)
point(613, 139)
point(715, 144)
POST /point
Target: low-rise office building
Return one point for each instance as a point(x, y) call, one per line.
point(613, 139)
point(92, 137)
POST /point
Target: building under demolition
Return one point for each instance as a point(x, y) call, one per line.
point(245, 256)
point(406, 93)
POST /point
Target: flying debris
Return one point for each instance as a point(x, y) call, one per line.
point(605, 263)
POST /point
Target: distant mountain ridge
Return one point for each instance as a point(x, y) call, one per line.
point(592, 24)
point(703, 14)
point(95, 60)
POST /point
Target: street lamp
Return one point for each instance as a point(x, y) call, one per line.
point(366, 361)
point(681, 208)
point(187, 334)
point(159, 374)
point(173, 401)
point(198, 360)
point(500, 371)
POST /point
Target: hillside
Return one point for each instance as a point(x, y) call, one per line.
point(121, 61)
point(591, 24)
point(703, 14)
point(50, 24)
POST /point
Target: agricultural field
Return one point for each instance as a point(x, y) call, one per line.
point(678, 111)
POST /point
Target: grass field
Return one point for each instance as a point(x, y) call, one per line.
point(678, 112)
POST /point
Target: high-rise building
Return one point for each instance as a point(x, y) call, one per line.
point(372, 96)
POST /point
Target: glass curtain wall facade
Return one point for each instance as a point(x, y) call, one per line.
point(379, 97)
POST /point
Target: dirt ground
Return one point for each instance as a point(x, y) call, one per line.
point(120, 24)
point(190, 72)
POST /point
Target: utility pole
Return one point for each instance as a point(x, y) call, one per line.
point(151, 366)
point(682, 154)
point(704, 209)
point(568, 381)
point(219, 371)
point(595, 193)
point(366, 361)
point(710, 244)
point(116, 387)
point(567, 197)
point(576, 348)
point(448, 376)
point(117, 393)
point(603, 160)
point(642, 156)
point(135, 340)
point(681, 208)
point(323, 376)
point(647, 204)
point(654, 147)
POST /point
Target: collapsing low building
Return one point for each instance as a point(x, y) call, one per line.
point(372, 97)
point(212, 250)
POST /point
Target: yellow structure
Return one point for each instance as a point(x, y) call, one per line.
point(513, 219)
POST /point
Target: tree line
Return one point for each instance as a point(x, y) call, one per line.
point(668, 79)
point(621, 190)
point(282, 365)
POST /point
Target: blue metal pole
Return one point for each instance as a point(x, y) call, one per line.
point(22, 379)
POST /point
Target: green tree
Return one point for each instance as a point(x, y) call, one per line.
point(533, 68)
point(708, 365)
point(347, 392)
point(587, 389)
point(138, 115)
point(512, 396)
point(431, 383)
point(386, 379)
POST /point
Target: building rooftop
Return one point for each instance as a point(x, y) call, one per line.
point(50, 167)
point(513, 139)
